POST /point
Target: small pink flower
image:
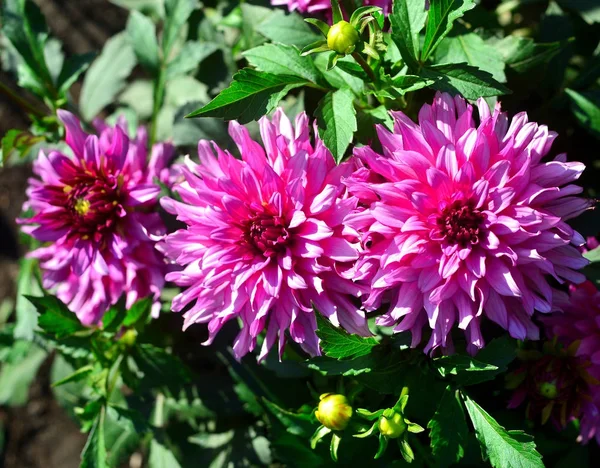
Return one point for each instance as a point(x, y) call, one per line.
point(311, 6)
point(463, 220)
point(96, 213)
point(264, 241)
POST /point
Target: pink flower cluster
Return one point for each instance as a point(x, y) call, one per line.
point(461, 220)
point(97, 212)
point(312, 6)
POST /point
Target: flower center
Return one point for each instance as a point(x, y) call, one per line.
point(460, 223)
point(94, 202)
point(266, 233)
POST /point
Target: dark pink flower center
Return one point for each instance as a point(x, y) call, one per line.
point(93, 203)
point(266, 233)
point(460, 223)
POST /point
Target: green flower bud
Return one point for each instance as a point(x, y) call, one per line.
point(128, 338)
point(342, 37)
point(334, 411)
point(392, 427)
point(548, 390)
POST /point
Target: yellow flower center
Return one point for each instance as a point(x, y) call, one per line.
point(82, 206)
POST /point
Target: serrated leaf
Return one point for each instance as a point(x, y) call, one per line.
point(16, 377)
point(472, 49)
point(348, 367)
point(336, 119)
point(408, 19)
point(448, 429)
point(287, 29)
point(464, 79)
point(55, 317)
point(142, 36)
point(94, 452)
point(586, 111)
point(280, 59)
point(251, 95)
point(523, 54)
point(408, 83)
point(177, 13)
point(465, 369)
point(337, 77)
point(505, 449)
point(106, 76)
point(190, 56)
point(161, 456)
point(442, 15)
point(337, 343)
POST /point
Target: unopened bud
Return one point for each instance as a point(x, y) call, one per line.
point(334, 411)
point(393, 426)
point(342, 37)
point(548, 390)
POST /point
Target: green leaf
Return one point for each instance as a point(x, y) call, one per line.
point(187, 132)
point(448, 429)
point(79, 374)
point(523, 54)
point(161, 456)
point(94, 452)
point(499, 352)
point(586, 111)
point(300, 424)
point(24, 26)
point(106, 76)
point(348, 367)
point(138, 312)
point(408, 83)
point(593, 255)
point(467, 370)
point(16, 377)
point(112, 320)
point(72, 69)
point(472, 49)
point(337, 77)
point(505, 449)
point(251, 95)
point(142, 36)
point(123, 434)
point(464, 79)
point(337, 343)
point(190, 56)
point(27, 284)
point(408, 19)
point(442, 15)
point(287, 29)
point(336, 118)
point(55, 317)
point(160, 368)
point(177, 13)
point(280, 59)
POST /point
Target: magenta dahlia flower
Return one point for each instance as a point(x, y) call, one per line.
point(264, 240)
point(463, 221)
point(96, 214)
point(311, 6)
point(578, 329)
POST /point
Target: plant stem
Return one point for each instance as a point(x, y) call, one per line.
point(365, 66)
point(159, 94)
point(20, 101)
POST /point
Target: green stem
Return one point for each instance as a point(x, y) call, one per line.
point(365, 66)
point(159, 94)
point(159, 411)
point(20, 101)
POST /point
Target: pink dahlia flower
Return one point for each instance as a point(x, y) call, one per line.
point(311, 6)
point(463, 220)
point(96, 214)
point(578, 327)
point(264, 241)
